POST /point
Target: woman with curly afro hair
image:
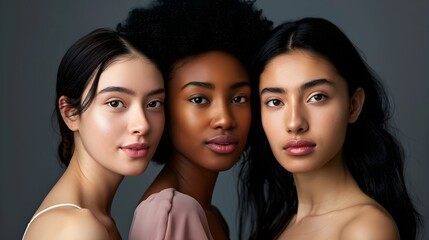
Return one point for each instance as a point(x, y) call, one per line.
point(207, 49)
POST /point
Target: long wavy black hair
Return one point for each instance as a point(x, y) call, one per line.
point(187, 28)
point(372, 154)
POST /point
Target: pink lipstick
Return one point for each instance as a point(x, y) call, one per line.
point(299, 147)
point(222, 144)
point(136, 150)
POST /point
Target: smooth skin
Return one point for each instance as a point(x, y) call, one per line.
point(208, 98)
point(306, 109)
point(127, 110)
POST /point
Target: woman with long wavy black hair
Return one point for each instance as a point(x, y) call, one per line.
point(324, 162)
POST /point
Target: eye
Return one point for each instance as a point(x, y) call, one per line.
point(274, 103)
point(155, 104)
point(318, 98)
point(239, 99)
point(116, 104)
point(198, 100)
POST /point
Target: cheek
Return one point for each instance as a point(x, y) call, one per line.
point(191, 119)
point(336, 117)
point(100, 122)
point(332, 127)
point(181, 116)
point(184, 122)
point(105, 125)
point(99, 131)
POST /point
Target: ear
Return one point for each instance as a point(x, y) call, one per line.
point(67, 113)
point(356, 104)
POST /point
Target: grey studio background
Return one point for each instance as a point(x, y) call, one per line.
point(34, 35)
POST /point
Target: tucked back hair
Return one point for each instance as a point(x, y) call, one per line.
point(85, 60)
point(372, 154)
point(188, 28)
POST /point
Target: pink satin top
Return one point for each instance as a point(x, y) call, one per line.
point(169, 214)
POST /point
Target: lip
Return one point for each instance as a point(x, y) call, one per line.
point(299, 147)
point(136, 150)
point(222, 144)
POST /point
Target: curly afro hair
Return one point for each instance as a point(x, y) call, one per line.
point(187, 28)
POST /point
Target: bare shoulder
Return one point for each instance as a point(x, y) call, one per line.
point(67, 223)
point(370, 222)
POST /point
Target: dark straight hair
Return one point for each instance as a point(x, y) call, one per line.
point(84, 61)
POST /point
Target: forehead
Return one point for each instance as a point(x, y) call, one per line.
point(298, 66)
point(214, 67)
point(134, 72)
point(127, 66)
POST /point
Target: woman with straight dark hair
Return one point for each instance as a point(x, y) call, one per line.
point(324, 162)
point(109, 107)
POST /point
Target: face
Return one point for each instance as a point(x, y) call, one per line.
point(209, 111)
point(121, 128)
point(305, 108)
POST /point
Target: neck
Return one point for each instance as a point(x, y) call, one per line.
point(327, 189)
point(192, 180)
point(96, 186)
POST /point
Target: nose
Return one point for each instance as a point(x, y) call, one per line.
point(222, 116)
point(296, 121)
point(138, 124)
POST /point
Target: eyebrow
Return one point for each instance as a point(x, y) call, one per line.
point(305, 86)
point(156, 91)
point(240, 85)
point(117, 89)
point(272, 90)
point(199, 84)
point(212, 86)
point(129, 91)
point(314, 83)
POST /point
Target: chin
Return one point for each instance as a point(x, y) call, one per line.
point(296, 168)
point(135, 170)
point(226, 165)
